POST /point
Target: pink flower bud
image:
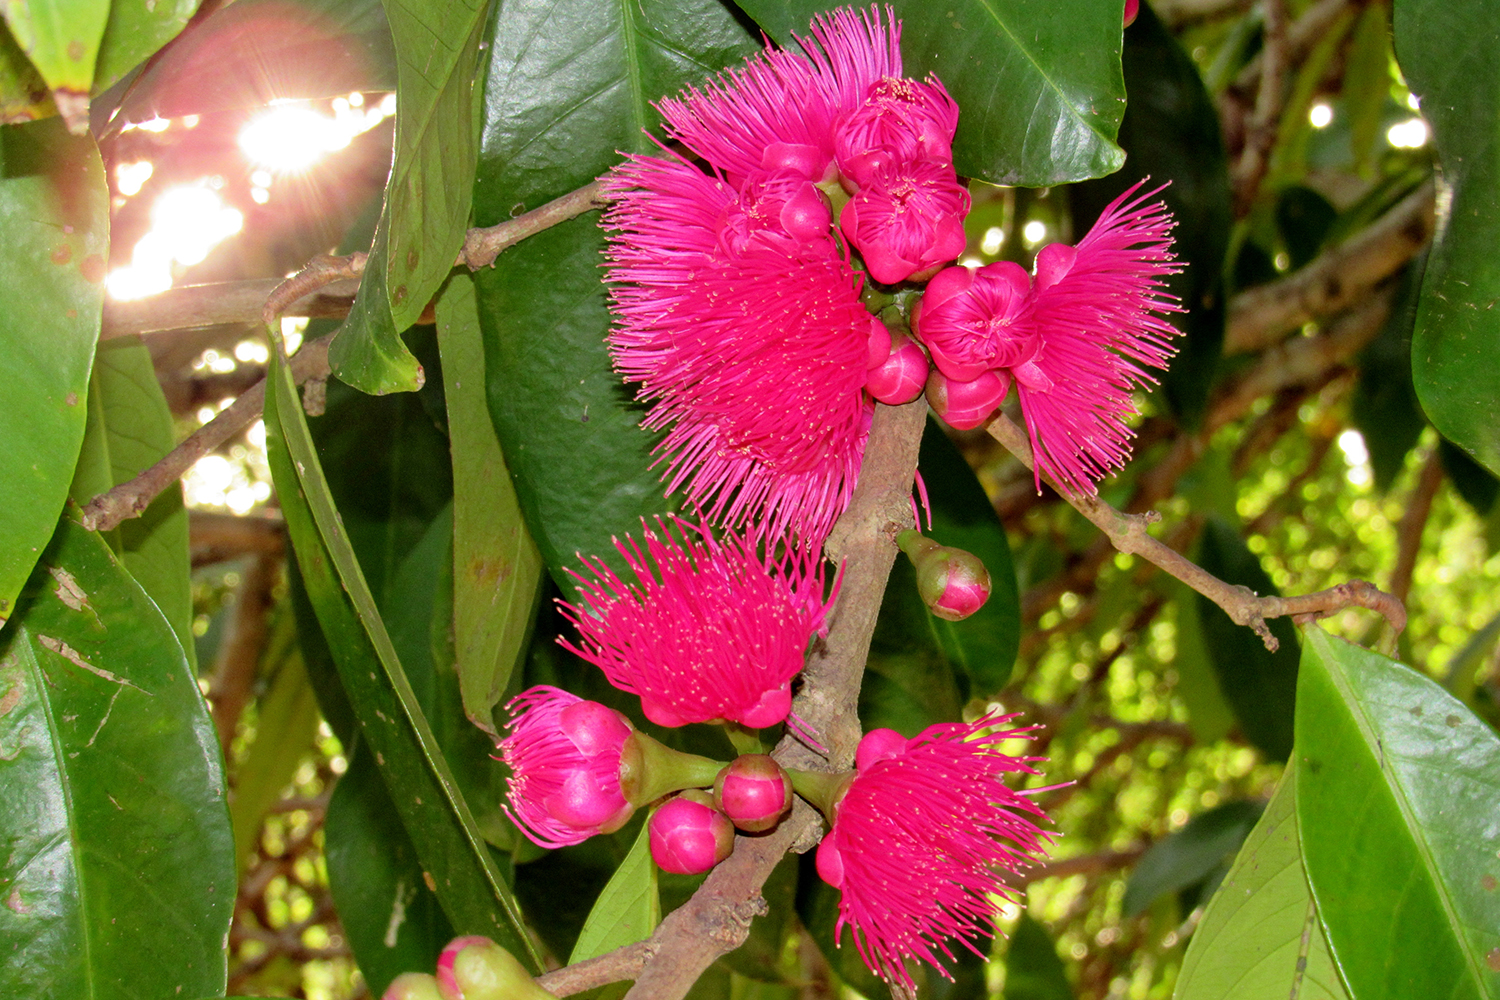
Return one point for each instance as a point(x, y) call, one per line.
point(564, 755)
point(963, 405)
point(412, 986)
point(976, 320)
point(754, 792)
point(953, 583)
point(476, 968)
point(880, 343)
point(901, 378)
point(1132, 8)
point(688, 836)
point(775, 204)
point(907, 220)
point(901, 120)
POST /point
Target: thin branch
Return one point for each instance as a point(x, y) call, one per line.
point(1261, 130)
point(1084, 864)
point(1335, 280)
point(614, 967)
point(482, 246)
point(717, 919)
point(1413, 522)
point(232, 683)
point(1128, 533)
point(130, 498)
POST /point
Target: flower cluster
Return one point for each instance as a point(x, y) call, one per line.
point(1072, 339)
point(739, 308)
point(738, 280)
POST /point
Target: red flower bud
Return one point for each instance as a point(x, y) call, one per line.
point(754, 792)
point(689, 836)
point(953, 583)
point(903, 375)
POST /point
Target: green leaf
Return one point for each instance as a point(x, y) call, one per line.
point(249, 53)
point(909, 683)
point(569, 428)
point(1209, 713)
point(1033, 971)
point(118, 858)
point(1261, 686)
point(1447, 52)
point(1191, 854)
point(497, 569)
point(1367, 81)
point(1476, 484)
point(984, 644)
point(1396, 789)
point(1038, 83)
point(61, 38)
point(136, 30)
point(1260, 938)
point(433, 810)
point(393, 921)
point(54, 238)
point(130, 428)
point(628, 909)
point(572, 438)
point(1170, 134)
point(23, 92)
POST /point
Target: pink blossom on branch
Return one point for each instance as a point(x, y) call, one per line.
point(1076, 339)
point(922, 837)
point(706, 630)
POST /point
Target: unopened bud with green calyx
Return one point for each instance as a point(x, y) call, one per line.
point(476, 968)
point(953, 583)
point(412, 986)
point(688, 835)
point(650, 769)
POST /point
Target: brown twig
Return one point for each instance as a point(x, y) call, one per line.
point(717, 919)
point(1335, 280)
point(1413, 521)
point(482, 246)
point(232, 683)
point(613, 967)
point(1128, 533)
point(1261, 129)
point(128, 499)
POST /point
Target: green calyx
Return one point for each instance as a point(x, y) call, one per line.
point(650, 770)
point(822, 789)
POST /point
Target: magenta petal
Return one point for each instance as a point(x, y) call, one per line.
point(878, 745)
point(1053, 262)
point(880, 343)
point(902, 377)
point(830, 863)
point(965, 405)
point(948, 283)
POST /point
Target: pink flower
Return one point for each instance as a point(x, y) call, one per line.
point(921, 838)
point(707, 629)
point(564, 756)
point(750, 342)
point(907, 219)
point(900, 121)
point(1076, 342)
point(688, 836)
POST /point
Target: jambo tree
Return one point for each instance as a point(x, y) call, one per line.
point(781, 500)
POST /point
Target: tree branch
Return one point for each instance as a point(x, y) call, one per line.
point(717, 919)
point(613, 967)
point(1261, 130)
point(1413, 522)
point(1128, 533)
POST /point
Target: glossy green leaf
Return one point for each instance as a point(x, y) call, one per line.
point(1209, 713)
point(1396, 789)
point(1170, 134)
point(137, 29)
point(1447, 52)
point(909, 683)
point(1260, 938)
point(54, 238)
point(569, 428)
point(983, 645)
point(1033, 971)
point(23, 92)
point(393, 921)
point(572, 437)
point(1477, 485)
point(129, 429)
point(118, 858)
point(497, 569)
point(1259, 685)
point(61, 38)
point(1191, 854)
point(628, 909)
point(433, 810)
point(1038, 82)
point(249, 53)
